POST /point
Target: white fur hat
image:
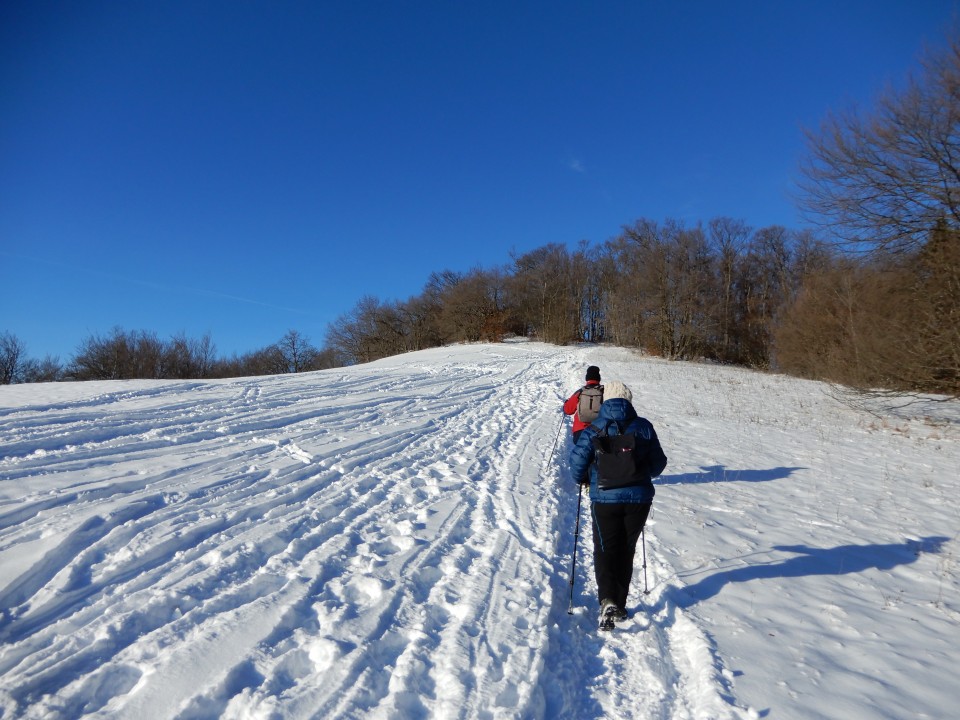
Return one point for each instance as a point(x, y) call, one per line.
point(616, 389)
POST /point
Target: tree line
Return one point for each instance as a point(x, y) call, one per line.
point(711, 291)
point(140, 354)
point(869, 299)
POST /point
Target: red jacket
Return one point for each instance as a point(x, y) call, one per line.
point(570, 408)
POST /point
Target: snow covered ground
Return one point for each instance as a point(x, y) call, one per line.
point(390, 541)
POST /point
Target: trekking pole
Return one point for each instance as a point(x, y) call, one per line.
point(576, 538)
point(643, 537)
point(558, 438)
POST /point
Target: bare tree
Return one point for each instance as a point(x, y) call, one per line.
point(349, 334)
point(762, 288)
point(326, 359)
point(125, 355)
point(589, 281)
point(547, 293)
point(667, 290)
point(935, 317)
point(372, 330)
point(185, 357)
point(420, 315)
point(885, 180)
point(693, 293)
point(888, 184)
point(298, 354)
point(47, 370)
point(265, 361)
point(624, 264)
point(474, 309)
point(728, 239)
point(206, 355)
point(103, 358)
point(12, 357)
point(839, 325)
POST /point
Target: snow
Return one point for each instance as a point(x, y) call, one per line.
point(390, 541)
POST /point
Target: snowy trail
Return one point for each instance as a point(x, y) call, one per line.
point(382, 541)
point(390, 541)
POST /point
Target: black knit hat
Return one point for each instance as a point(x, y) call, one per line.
point(593, 373)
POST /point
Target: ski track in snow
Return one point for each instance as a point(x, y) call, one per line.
point(381, 541)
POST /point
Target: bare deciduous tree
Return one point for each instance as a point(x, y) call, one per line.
point(186, 357)
point(350, 335)
point(474, 308)
point(667, 293)
point(547, 293)
point(888, 184)
point(297, 352)
point(885, 180)
point(47, 370)
point(728, 238)
point(126, 355)
point(12, 356)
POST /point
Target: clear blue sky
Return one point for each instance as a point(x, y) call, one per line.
point(246, 168)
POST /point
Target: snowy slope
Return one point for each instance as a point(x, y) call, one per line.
point(390, 541)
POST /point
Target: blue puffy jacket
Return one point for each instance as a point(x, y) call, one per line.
point(648, 447)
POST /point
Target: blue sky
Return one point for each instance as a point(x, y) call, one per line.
point(246, 168)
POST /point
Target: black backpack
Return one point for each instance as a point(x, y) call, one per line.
point(616, 456)
point(588, 406)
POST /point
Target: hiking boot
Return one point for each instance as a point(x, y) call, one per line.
point(608, 614)
point(621, 614)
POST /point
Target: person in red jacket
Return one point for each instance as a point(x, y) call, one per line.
point(572, 405)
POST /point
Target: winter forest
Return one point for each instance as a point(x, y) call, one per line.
point(867, 296)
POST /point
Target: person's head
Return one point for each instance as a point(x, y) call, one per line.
point(593, 373)
point(616, 389)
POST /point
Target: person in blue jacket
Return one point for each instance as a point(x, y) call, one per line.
point(619, 513)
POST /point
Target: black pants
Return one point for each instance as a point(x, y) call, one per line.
point(616, 530)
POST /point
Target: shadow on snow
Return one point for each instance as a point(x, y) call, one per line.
point(809, 561)
point(720, 473)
